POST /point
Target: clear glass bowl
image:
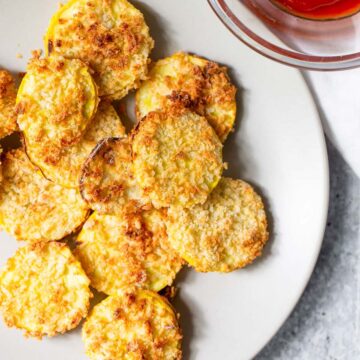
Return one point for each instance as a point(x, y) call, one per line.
point(291, 40)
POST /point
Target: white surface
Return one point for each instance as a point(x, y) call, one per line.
point(278, 146)
point(339, 97)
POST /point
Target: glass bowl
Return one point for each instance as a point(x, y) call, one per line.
point(291, 40)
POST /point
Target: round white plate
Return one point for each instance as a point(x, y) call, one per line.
point(278, 146)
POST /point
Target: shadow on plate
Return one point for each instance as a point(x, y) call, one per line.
point(231, 152)
point(157, 24)
point(188, 312)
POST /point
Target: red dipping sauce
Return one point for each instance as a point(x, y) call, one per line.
point(320, 9)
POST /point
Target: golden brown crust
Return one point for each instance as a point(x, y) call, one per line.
point(57, 99)
point(226, 233)
point(43, 290)
point(63, 165)
point(117, 251)
point(193, 82)
point(7, 104)
point(135, 324)
point(177, 157)
point(107, 181)
point(33, 208)
point(111, 36)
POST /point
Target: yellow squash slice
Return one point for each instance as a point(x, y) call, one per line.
point(56, 101)
point(226, 233)
point(117, 251)
point(7, 104)
point(132, 325)
point(199, 84)
point(177, 157)
point(107, 182)
point(33, 208)
point(43, 290)
point(111, 36)
point(64, 165)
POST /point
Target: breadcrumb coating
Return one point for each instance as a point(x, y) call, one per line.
point(109, 35)
point(177, 157)
point(56, 101)
point(226, 233)
point(34, 209)
point(64, 165)
point(196, 83)
point(133, 325)
point(43, 290)
point(107, 181)
point(7, 104)
point(118, 251)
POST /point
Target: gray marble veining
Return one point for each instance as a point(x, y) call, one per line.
point(325, 325)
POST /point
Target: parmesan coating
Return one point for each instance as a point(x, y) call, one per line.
point(63, 165)
point(44, 290)
point(226, 233)
point(187, 80)
point(107, 182)
point(109, 35)
point(177, 157)
point(117, 251)
point(57, 99)
point(33, 208)
point(133, 325)
point(7, 104)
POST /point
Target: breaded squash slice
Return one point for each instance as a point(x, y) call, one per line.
point(177, 157)
point(132, 325)
point(7, 104)
point(33, 208)
point(107, 181)
point(194, 82)
point(226, 233)
point(111, 36)
point(117, 251)
point(43, 290)
point(64, 165)
point(56, 101)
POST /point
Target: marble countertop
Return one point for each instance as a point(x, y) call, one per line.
point(325, 324)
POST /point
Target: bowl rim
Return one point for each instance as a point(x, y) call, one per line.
point(277, 53)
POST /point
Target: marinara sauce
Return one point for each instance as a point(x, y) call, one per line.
point(320, 9)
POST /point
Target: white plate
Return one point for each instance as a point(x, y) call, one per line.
point(278, 146)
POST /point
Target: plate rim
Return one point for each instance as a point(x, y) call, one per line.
point(324, 207)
